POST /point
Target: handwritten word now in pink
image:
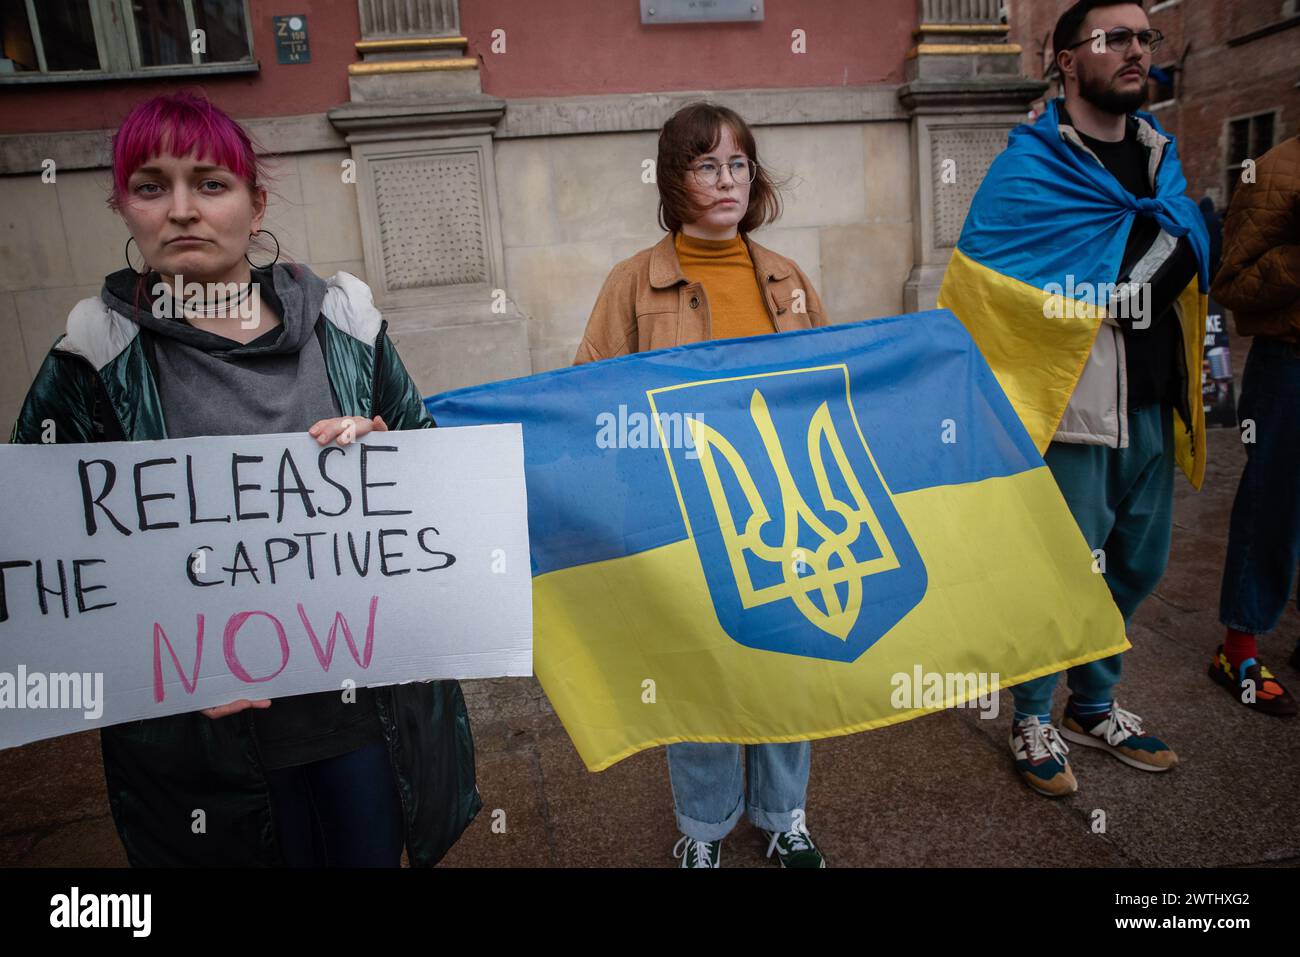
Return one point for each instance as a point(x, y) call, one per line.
point(324, 655)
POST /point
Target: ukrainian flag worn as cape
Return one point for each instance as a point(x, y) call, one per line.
point(1049, 215)
point(789, 536)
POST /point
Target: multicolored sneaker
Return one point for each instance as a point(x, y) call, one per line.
point(1265, 694)
point(1040, 757)
point(695, 853)
point(1120, 733)
point(795, 848)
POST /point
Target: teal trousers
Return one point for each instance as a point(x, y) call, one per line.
point(1123, 502)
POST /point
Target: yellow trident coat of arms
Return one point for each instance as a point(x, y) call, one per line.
point(800, 542)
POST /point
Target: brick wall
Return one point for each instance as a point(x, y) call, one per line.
point(1222, 78)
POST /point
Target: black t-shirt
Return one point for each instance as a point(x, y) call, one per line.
point(1154, 355)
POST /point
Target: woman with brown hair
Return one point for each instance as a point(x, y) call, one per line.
point(707, 279)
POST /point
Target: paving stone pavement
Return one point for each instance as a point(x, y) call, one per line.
point(935, 792)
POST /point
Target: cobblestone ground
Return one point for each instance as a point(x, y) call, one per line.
point(938, 791)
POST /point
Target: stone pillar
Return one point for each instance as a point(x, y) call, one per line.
point(420, 129)
point(964, 93)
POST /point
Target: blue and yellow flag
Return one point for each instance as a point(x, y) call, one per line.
point(752, 540)
point(1050, 223)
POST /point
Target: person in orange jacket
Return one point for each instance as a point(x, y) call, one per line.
point(707, 279)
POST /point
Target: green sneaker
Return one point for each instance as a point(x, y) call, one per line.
point(695, 853)
point(795, 848)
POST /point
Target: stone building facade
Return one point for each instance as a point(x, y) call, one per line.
point(482, 164)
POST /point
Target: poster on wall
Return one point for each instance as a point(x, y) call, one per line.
point(1217, 390)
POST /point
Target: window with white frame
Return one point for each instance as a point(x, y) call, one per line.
point(83, 39)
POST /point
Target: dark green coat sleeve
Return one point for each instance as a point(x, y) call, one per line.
point(60, 405)
point(397, 398)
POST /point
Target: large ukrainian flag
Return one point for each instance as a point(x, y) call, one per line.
point(1049, 220)
point(748, 540)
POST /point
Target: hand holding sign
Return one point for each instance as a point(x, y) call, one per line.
point(235, 707)
point(347, 429)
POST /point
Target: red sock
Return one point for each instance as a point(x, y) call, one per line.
point(1239, 646)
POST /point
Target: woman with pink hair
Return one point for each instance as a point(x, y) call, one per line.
point(196, 341)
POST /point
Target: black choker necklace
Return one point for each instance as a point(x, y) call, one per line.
point(221, 309)
point(200, 307)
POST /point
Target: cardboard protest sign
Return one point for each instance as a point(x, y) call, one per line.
point(140, 579)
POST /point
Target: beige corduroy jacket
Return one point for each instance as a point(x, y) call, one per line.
point(647, 303)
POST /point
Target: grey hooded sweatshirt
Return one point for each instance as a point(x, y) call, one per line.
point(211, 385)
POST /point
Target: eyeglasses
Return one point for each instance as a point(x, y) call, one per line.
point(710, 174)
point(1118, 40)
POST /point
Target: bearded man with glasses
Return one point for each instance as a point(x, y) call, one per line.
point(1081, 272)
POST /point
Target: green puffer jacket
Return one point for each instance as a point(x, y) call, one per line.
point(97, 385)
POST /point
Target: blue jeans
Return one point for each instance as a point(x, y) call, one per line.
point(1259, 575)
point(1122, 500)
point(709, 795)
point(340, 812)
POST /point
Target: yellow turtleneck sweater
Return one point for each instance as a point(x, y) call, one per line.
point(725, 270)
